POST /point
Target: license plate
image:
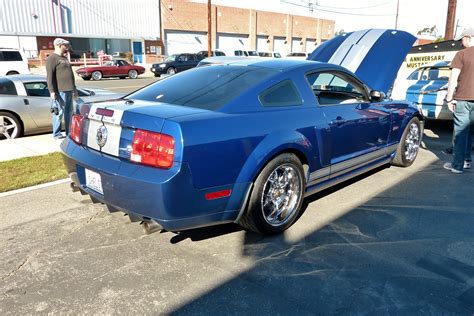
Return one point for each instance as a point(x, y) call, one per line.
point(93, 181)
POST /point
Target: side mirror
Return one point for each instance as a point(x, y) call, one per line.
point(376, 96)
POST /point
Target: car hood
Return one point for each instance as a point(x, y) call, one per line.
point(374, 55)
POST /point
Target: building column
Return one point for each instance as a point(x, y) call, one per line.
point(289, 32)
point(252, 44)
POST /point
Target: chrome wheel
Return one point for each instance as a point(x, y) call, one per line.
point(171, 71)
point(412, 142)
point(133, 74)
point(281, 195)
point(96, 75)
point(9, 128)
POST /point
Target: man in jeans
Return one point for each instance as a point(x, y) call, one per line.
point(61, 85)
point(460, 99)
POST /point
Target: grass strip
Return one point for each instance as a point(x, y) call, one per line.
point(25, 172)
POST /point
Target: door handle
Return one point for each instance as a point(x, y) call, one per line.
point(26, 101)
point(338, 121)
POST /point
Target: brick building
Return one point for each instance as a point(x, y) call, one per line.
point(184, 29)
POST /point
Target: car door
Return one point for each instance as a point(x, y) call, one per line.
point(358, 128)
point(121, 68)
point(38, 102)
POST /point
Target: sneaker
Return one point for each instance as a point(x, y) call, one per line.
point(449, 166)
point(60, 137)
point(467, 164)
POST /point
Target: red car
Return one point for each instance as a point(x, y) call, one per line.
point(114, 68)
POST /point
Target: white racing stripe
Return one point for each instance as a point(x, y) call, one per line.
point(354, 49)
point(112, 124)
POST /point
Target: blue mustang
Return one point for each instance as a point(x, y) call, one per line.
point(246, 141)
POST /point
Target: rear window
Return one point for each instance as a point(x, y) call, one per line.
point(7, 87)
point(8, 55)
point(204, 88)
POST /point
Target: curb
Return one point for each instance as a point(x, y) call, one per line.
point(34, 187)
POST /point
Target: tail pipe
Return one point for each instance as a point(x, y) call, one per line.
point(150, 226)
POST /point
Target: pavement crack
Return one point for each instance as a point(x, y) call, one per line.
point(20, 266)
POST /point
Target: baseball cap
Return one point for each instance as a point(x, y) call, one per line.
point(60, 41)
point(469, 31)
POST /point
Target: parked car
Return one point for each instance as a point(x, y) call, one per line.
point(25, 104)
point(175, 63)
point(204, 54)
point(13, 62)
point(225, 60)
point(427, 87)
point(247, 53)
point(269, 54)
point(298, 55)
point(113, 68)
point(246, 142)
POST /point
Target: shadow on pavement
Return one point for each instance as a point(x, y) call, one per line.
point(408, 250)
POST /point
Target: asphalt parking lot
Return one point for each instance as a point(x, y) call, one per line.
point(396, 241)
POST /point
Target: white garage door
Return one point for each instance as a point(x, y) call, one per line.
point(228, 43)
point(310, 45)
point(296, 46)
point(262, 45)
point(279, 46)
point(185, 42)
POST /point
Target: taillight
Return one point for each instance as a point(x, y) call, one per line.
point(75, 128)
point(154, 149)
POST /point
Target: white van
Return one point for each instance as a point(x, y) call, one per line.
point(13, 62)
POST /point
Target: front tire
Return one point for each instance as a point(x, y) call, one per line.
point(277, 196)
point(97, 75)
point(171, 71)
point(10, 126)
point(86, 78)
point(409, 145)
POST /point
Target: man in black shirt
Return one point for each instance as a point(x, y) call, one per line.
point(61, 85)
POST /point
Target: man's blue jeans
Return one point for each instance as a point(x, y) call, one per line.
point(463, 133)
point(65, 108)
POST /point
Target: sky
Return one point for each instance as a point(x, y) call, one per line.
point(413, 15)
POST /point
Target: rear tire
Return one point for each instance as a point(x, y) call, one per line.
point(409, 145)
point(133, 74)
point(97, 75)
point(277, 196)
point(10, 126)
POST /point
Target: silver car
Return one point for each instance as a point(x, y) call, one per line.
point(25, 104)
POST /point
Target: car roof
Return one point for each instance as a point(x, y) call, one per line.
point(277, 64)
point(26, 77)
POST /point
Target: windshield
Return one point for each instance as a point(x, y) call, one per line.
point(205, 88)
point(171, 58)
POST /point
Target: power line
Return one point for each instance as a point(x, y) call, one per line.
point(317, 7)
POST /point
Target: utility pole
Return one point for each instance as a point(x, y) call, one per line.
point(396, 16)
point(450, 18)
point(209, 22)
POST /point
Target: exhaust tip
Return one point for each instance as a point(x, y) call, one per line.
point(150, 226)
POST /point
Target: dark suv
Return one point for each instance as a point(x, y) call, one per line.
point(175, 63)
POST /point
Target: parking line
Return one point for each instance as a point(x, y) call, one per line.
point(39, 186)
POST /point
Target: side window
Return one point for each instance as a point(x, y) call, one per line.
point(331, 88)
point(8, 55)
point(7, 87)
point(37, 89)
point(281, 94)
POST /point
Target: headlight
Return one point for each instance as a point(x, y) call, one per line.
point(162, 65)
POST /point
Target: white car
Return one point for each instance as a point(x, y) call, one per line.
point(25, 104)
point(427, 87)
point(13, 62)
point(269, 54)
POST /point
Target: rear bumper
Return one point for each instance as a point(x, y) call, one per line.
point(166, 196)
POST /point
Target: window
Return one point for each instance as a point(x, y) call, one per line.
point(7, 87)
point(37, 89)
point(205, 87)
point(8, 55)
point(281, 94)
point(336, 88)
